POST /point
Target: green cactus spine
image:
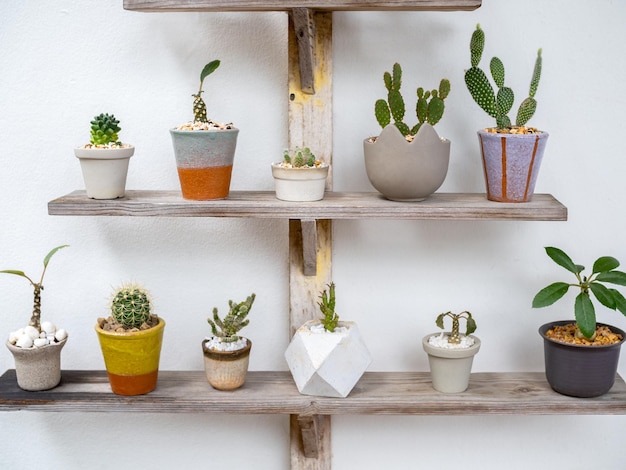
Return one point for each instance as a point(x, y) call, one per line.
point(234, 321)
point(104, 129)
point(327, 307)
point(429, 108)
point(498, 105)
point(199, 106)
point(130, 306)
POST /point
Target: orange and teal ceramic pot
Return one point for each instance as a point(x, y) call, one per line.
point(132, 358)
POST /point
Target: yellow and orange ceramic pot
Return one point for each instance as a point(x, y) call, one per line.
point(132, 358)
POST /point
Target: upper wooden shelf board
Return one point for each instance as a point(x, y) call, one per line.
point(335, 205)
point(388, 393)
point(286, 5)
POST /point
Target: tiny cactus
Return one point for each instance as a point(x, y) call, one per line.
point(498, 104)
point(327, 307)
point(234, 321)
point(454, 337)
point(430, 104)
point(130, 306)
point(105, 129)
point(300, 157)
point(199, 106)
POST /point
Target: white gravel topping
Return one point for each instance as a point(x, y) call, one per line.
point(217, 344)
point(441, 341)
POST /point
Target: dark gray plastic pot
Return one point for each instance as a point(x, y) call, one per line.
point(580, 371)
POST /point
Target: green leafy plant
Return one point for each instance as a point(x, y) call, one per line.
point(604, 270)
point(105, 129)
point(498, 105)
point(35, 319)
point(327, 307)
point(299, 157)
point(130, 306)
point(234, 321)
point(455, 337)
point(199, 106)
point(429, 108)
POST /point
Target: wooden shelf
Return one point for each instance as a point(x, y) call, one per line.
point(335, 205)
point(286, 5)
point(377, 393)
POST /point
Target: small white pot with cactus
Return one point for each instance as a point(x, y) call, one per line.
point(37, 347)
point(226, 354)
point(104, 160)
point(327, 357)
point(131, 339)
point(300, 176)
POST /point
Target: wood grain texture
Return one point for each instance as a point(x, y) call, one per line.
point(377, 393)
point(335, 205)
point(286, 5)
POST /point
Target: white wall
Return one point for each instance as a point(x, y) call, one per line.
point(63, 62)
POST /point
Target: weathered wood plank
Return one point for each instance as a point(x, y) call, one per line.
point(377, 393)
point(335, 205)
point(287, 5)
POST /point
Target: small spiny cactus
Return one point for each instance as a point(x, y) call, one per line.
point(104, 130)
point(199, 106)
point(327, 307)
point(454, 337)
point(130, 306)
point(498, 104)
point(430, 105)
point(300, 157)
point(234, 321)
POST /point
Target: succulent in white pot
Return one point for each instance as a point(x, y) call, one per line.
point(300, 176)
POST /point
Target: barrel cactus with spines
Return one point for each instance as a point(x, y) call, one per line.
point(130, 306)
point(498, 104)
point(199, 106)
point(105, 129)
point(429, 108)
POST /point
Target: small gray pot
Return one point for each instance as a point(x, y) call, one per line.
point(38, 368)
point(450, 369)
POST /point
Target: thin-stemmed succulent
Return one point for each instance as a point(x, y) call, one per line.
point(234, 321)
point(199, 106)
point(104, 130)
point(130, 306)
point(498, 104)
point(35, 319)
point(604, 270)
point(300, 158)
point(327, 307)
point(429, 108)
point(455, 337)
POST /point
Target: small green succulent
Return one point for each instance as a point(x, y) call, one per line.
point(299, 157)
point(455, 337)
point(327, 307)
point(105, 129)
point(234, 321)
point(199, 106)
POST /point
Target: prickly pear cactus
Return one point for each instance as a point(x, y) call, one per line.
point(199, 106)
point(498, 104)
point(104, 129)
point(130, 306)
point(234, 321)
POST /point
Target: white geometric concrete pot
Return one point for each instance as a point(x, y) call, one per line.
point(38, 368)
point(327, 364)
point(450, 368)
point(104, 170)
point(299, 184)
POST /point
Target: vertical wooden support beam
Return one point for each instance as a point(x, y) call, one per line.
point(304, 30)
point(310, 124)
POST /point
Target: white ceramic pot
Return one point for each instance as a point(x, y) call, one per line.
point(104, 170)
point(38, 368)
point(327, 364)
point(450, 369)
point(299, 184)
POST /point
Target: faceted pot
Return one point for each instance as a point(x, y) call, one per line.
point(511, 164)
point(450, 369)
point(104, 170)
point(38, 368)
point(578, 370)
point(407, 171)
point(204, 160)
point(132, 358)
point(226, 370)
point(299, 184)
point(327, 364)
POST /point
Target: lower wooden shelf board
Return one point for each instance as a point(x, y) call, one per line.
point(384, 393)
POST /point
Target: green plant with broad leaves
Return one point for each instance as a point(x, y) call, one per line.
point(199, 106)
point(327, 307)
point(35, 319)
point(455, 337)
point(498, 104)
point(234, 321)
point(604, 270)
point(429, 108)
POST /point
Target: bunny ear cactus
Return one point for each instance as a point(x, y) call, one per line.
point(234, 321)
point(130, 306)
point(498, 104)
point(430, 105)
point(455, 337)
point(604, 270)
point(199, 106)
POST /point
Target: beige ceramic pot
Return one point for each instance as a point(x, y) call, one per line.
point(38, 368)
point(104, 170)
point(299, 184)
point(226, 370)
point(450, 369)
